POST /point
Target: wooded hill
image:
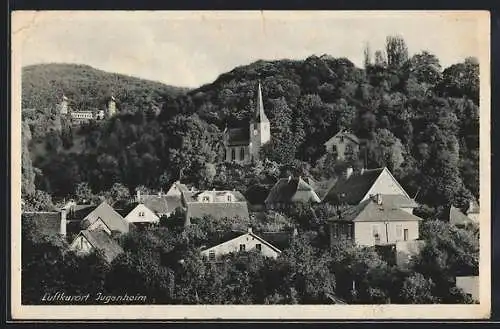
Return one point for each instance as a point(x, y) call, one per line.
point(413, 116)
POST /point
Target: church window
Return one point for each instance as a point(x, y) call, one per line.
point(242, 153)
point(233, 154)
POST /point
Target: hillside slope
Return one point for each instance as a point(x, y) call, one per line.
point(86, 87)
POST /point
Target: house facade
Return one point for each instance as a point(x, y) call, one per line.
point(216, 204)
point(88, 241)
point(245, 242)
point(81, 116)
point(374, 222)
point(242, 145)
point(354, 188)
point(343, 143)
point(141, 214)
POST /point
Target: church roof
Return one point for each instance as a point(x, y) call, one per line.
point(259, 114)
point(238, 136)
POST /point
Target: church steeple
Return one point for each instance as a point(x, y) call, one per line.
point(260, 115)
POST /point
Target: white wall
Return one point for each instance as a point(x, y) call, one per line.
point(234, 246)
point(363, 232)
point(385, 184)
point(81, 245)
point(99, 224)
point(149, 216)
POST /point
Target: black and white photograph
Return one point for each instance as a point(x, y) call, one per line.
point(250, 164)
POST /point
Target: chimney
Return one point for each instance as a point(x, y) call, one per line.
point(62, 228)
point(362, 170)
point(138, 196)
point(250, 230)
point(348, 172)
point(378, 198)
point(289, 178)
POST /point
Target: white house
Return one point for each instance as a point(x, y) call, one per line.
point(139, 213)
point(354, 188)
point(88, 241)
point(245, 242)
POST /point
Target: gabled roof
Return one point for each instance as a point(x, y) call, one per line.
point(370, 211)
point(217, 210)
point(345, 134)
point(109, 216)
point(251, 235)
point(80, 211)
point(355, 187)
point(157, 203)
point(238, 136)
point(456, 217)
point(291, 189)
point(100, 240)
point(44, 223)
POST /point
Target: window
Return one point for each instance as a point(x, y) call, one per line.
point(376, 233)
point(211, 255)
point(233, 154)
point(405, 232)
point(242, 247)
point(335, 230)
point(229, 199)
point(258, 246)
point(206, 199)
point(242, 153)
point(399, 231)
point(141, 214)
point(349, 231)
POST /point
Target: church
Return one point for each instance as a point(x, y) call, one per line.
point(242, 145)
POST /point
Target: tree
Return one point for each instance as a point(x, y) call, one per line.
point(397, 51)
point(38, 201)
point(83, 192)
point(425, 68)
point(417, 290)
point(386, 150)
point(27, 170)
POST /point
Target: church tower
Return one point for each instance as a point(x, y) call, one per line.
point(111, 109)
point(260, 127)
point(63, 107)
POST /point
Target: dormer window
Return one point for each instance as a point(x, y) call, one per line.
point(205, 199)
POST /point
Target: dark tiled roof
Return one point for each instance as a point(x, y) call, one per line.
point(281, 240)
point(44, 223)
point(456, 217)
point(100, 240)
point(370, 211)
point(217, 210)
point(174, 202)
point(345, 134)
point(156, 203)
point(353, 188)
point(291, 190)
point(79, 212)
point(257, 194)
point(109, 216)
point(238, 136)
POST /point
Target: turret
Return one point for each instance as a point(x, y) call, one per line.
point(111, 108)
point(63, 107)
point(260, 128)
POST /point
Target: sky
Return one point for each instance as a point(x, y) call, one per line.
point(190, 49)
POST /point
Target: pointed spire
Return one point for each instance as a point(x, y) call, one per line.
point(260, 115)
